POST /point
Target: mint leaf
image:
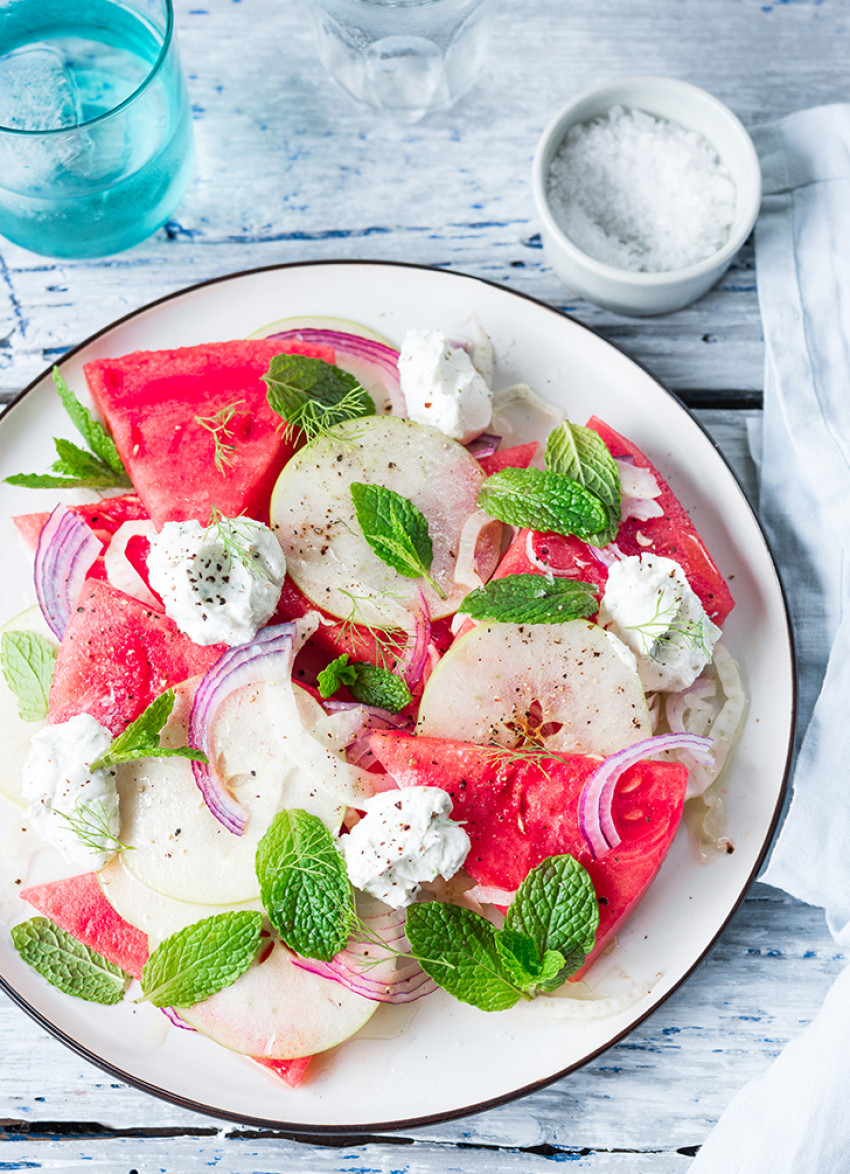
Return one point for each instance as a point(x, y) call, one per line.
point(378, 686)
point(141, 738)
point(548, 930)
point(313, 395)
point(101, 468)
point(201, 959)
point(458, 949)
point(557, 907)
point(86, 469)
point(45, 481)
point(396, 530)
point(27, 660)
point(339, 672)
point(68, 964)
point(368, 683)
point(531, 599)
point(553, 972)
point(543, 501)
point(92, 432)
point(304, 885)
point(520, 958)
point(582, 454)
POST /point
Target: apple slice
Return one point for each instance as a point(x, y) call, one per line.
point(277, 1011)
point(562, 686)
point(17, 734)
point(327, 556)
point(269, 758)
point(149, 911)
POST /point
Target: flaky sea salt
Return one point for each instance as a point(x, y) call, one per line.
point(640, 192)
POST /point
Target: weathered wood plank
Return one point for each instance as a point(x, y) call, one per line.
point(290, 170)
point(670, 1079)
point(270, 1156)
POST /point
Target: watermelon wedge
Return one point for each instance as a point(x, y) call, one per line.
point(117, 655)
point(519, 456)
point(155, 402)
point(79, 907)
point(334, 637)
point(104, 517)
point(673, 535)
point(518, 813)
point(291, 1072)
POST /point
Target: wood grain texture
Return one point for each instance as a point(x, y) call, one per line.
point(289, 170)
point(657, 1092)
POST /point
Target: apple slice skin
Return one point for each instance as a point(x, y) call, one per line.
point(274, 1012)
point(328, 558)
point(177, 847)
point(277, 1011)
point(564, 684)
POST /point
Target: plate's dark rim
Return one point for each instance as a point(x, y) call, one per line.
point(302, 1131)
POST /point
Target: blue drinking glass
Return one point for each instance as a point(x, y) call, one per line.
point(95, 131)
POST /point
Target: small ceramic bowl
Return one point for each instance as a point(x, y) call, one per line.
point(626, 291)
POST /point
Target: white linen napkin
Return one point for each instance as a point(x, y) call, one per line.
point(794, 1119)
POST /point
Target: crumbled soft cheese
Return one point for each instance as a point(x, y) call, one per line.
point(649, 604)
point(66, 797)
point(404, 838)
point(218, 583)
point(442, 387)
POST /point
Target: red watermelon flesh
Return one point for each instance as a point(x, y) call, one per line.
point(152, 402)
point(673, 535)
point(565, 556)
point(519, 456)
point(291, 1072)
point(336, 637)
point(79, 907)
point(104, 517)
point(518, 813)
point(117, 655)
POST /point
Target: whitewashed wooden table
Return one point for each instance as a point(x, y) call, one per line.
point(289, 170)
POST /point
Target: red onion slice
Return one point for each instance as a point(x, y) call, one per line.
point(484, 445)
point(407, 987)
point(375, 972)
point(268, 657)
point(411, 663)
point(173, 1018)
point(595, 805)
point(371, 718)
point(607, 555)
point(66, 550)
point(372, 357)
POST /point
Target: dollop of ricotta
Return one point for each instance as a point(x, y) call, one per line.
point(71, 806)
point(650, 605)
point(442, 387)
point(406, 837)
point(219, 583)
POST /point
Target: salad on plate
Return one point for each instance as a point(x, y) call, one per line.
point(353, 679)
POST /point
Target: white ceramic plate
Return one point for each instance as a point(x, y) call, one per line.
point(450, 1059)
